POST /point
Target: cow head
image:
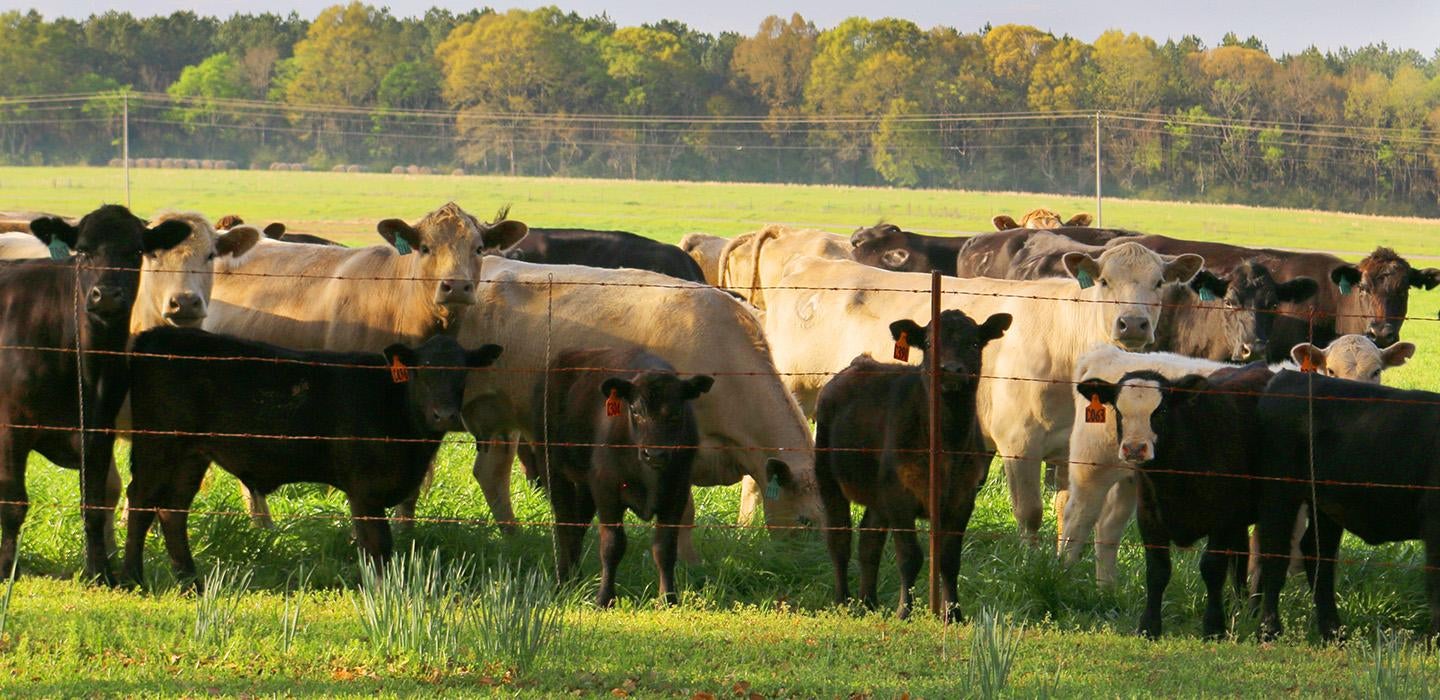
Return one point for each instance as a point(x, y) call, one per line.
point(435, 379)
point(662, 425)
point(108, 245)
point(1353, 357)
point(887, 247)
point(1375, 295)
point(1250, 298)
point(175, 283)
point(1122, 287)
point(445, 249)
point(961, 343)
point(1142, 401)
point(1039, 219)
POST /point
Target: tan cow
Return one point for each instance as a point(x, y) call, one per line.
point(361, 299)
point(1039, 219)
point(1024, 402)
point(753, 261)
point(746, 420)
point(705, 249)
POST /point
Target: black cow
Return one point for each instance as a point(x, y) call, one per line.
point(1372, 453)
point(1369, 298)
point(368, 424)
point(872, 448)
point(48, 309)
point(276, 231)
point(1191, 484)
point(622, 436)
point(610, 249)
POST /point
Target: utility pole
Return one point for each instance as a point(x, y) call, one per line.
point(1099, 215)
point(125, 141)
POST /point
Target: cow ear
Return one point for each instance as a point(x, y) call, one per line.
point(778, 471)
point(862, 235)
point(49, 228)
point(622, 388)
point(1082, 267)
point(399, 234)
point(227, 222)
point(275, 230)
point(237, 241)
point(1081, 219)
point(1305, 351)
point(995, 326)
point(1189, 386)
point(165, 236)
point(1094, 388)
point(1183, 268)
point(1397, 354)
point(1206, 281)
point(1345, 276)
point(697, 385)
point(1297, 290)
point(1429, 278)
point(503, 234)
point(1004, 222)
point(401, 352)
point(914, 333)
point(483, 356)
point(895, 258)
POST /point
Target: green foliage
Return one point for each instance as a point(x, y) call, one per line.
point(217, 605)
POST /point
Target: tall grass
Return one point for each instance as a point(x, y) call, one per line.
point(290, 611)
point(1397, 667)
point(410, 608)
point(218, 603)
point(993, 646)
point(516, 615)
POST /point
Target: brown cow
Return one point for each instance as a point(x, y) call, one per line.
point(1041, 218)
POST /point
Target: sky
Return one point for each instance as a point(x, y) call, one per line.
point(1286, 26)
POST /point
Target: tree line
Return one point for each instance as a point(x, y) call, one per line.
point(872, 102)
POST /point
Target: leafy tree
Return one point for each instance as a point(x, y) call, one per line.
point(1130, 72)
point(345, 54)
point(775, 63)
point(1059, 79)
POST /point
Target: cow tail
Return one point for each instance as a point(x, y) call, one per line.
point(769, 233)
point(724, 261)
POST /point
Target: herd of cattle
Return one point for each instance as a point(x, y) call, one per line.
point(1217, 387)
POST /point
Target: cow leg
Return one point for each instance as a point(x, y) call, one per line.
point(1274, 534)
point(1157, 571)
point(98, 506)
point(258, 507)
point(872, 545)
point(1297, 558)
point(112, 499)
point(663, 546)
point(404, 514)
point(372, 532)
point(1215, 564)
point(571, 522)
point(149, 489)
point(1114, 516)
point(1327, 616)
point(1088, 487)
point(175, 511)
point(14, 501)
point(612, 550)
point(752, 501)
point(836, 513)
point(908, 558)
point(1023, 477)
point(955, 521)
point(493, 464)
point(685, 540)
point(1431, 528)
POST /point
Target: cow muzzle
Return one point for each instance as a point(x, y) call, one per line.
point(1384, 333)
point(186, 310)
point(1251, 351)
point(455, 293)
point(445, 419)
point(1133, 332)
point(106, 300)
point(1136, 452)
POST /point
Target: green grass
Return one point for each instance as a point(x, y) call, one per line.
point(755, 613)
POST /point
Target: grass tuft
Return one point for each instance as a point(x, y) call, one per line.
point(217, 604)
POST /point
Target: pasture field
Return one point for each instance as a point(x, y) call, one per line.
point(755, 614)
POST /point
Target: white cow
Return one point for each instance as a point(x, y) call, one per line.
point(16, 245)
point(752, 262)
point(825, 312)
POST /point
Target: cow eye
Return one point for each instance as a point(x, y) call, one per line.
point(1104, 282)
point(480, 250)
point(210, 257)
point(1159, 283)
point(424, 249)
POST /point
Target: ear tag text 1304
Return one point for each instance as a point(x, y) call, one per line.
point(1083, 277)
point(612, 404)
point(403, 246)
point(1095, 412)
point(902, 347)
point(399, 373)
point(1344, 287)
point(58, 249)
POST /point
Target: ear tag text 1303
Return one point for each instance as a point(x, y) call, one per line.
point(399, 373)
point(1095, 412)
point(58, 249)
point(403, 246)
point(612, 404)
point(902, 347)
point(1083, 277)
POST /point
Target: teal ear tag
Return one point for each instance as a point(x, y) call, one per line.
point(772, 488)
point(1344, 286)
point(1206, 294)
point(1083, 278)
point(403, 246)
point(58, 249)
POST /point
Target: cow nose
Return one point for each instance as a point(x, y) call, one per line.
point(1383, 333)
point(103, 300)
point(185, 306)
point(1135, 451)
point(457, 292)
point(1132, 328)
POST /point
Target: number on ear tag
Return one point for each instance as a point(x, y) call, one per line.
point(399, 373)
point(1083, 277)
point(612, 404)
point(902, 347)
point(58, 249)
point(1095, 412)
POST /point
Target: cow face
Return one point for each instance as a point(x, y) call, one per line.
point(662, 427)
point(1142, 401)
point(445, 249)
point(885, 246)
point(1250, 298)
point(961, 344)
point(175, 283)
point(435, 385)
point(1122, 288)
point(108, 245)
point(1039, 219)
point(1353, 357)
point(1375, 295)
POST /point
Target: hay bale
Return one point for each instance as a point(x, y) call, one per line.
point(114, 163)
point(167, 162)
point(207, 164)
point(354, 168)
point(412, 169)
point(426, 170)
point(458, 172)
point(397, 170)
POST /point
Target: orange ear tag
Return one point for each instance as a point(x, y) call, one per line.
point(1306, 364)
point(902, 347)
point(399, 373)
point(612, 404)
point(1095, 412)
